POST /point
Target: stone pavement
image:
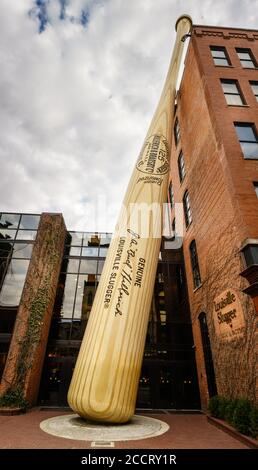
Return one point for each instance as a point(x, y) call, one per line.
point(187, 431)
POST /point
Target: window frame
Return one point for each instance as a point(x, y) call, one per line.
point(226, 56)
point(251, 126)
point(238, 91)
point(197, 280)
point(181, 166)
point(177, 132)
point(254, 83)
point(171, 195)
point(255, 184)
point(246, 50)
point(187, 209)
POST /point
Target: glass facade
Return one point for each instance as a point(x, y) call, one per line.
point(168, 377)
point(17, 235)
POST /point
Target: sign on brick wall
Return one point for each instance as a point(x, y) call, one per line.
point(228, 316)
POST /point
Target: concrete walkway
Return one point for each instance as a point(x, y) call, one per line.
point(187, 431)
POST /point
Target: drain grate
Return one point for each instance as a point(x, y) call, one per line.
point(102, 444)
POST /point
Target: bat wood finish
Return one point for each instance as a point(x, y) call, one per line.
point(106, 376)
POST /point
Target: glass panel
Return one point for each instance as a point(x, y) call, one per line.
point(29, 222)
point(75, 238)
point(9, 220)
point(13, 284)
point(256, 189)
point(105, 239)
point(7, 234)
point(103, 252)
point(84, 297)
point(250, 150)
point(245, 133)
point(73, 250)
point(26, 235)
point(244, 55)
point(255, 87)
point(234, 99)
point(68, 296)
point(247, 64)
point(218, 53)
point(100, 266)
point(229, 87)
point(91, 239)
point(88, 266)
point(72, 265)
point(90, 251)
point(222, 62)
point(20, 250)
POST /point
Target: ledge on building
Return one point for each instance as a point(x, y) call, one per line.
point(248, 441)
point(11, 411)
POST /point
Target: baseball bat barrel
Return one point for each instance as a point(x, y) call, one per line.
point(106, 375)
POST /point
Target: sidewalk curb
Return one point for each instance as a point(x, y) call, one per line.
point(251, 443)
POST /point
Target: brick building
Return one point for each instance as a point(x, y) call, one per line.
point(214, 172)
point(204, 308)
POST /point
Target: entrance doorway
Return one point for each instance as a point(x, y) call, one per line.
point(56, 378)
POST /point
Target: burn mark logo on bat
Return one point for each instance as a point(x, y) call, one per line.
point(153, 158)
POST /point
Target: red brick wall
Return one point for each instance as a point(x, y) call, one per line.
point(223, 201)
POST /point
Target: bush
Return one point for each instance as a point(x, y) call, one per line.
point(217, 406)
point(254, 422)
point(229, 411)
point(241, 416)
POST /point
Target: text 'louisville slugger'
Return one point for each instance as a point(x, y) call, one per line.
point(106, 376)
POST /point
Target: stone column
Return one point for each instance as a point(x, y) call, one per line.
point(22, 373)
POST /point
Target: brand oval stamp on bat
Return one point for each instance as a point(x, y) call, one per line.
point(154, 157)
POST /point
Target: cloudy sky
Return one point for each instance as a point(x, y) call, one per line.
point(79, 82)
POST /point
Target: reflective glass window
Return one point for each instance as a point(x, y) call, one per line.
point(7, 234)
point(9, 220)
point(254, 86)
point(103, 252)
point(181, 166)
point(91, 239)
point(22, 250)
point(90, 251)
point(68, 296)
point(105, 239)
point(88, 266)
point(13, 283)
point(248, 139)
point(220, 56)
point(74, 238)
point(246, 58)
point(100, 266)
point(29, 221)
point(26, 235)
point(72, 265)
point(73, 250)
point(232, 92)
point(84, 297)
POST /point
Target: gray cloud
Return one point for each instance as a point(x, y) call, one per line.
point(77, 99)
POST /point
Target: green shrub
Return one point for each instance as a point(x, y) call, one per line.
point(241, 416)
point(229, 411)
point(253, 416)
point(217, 406)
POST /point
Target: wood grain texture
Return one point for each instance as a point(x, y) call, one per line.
point(106, 376)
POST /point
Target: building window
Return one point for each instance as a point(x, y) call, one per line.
point(254, 86)
point(220, 56)
point(187, 209)
point(195, 264)
point(232, 92)
point(246, 58)
point(181, 166)
point(174, 229)
point(177, 131)
point(210, 373)
point(256, 188)
point(248, 139)
point(171, 195)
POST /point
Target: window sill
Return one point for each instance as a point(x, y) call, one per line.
point(250, 158)
point(224, 66)
point(197, 288)
point(238, 106)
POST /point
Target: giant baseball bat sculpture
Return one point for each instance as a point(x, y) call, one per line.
point(106, 376)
